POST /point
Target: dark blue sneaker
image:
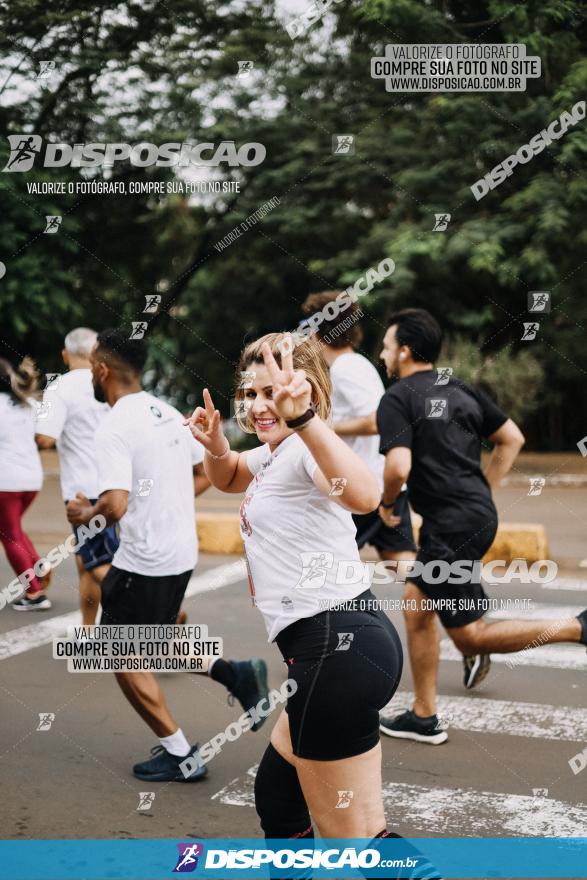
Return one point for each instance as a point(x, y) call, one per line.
point(251, 685)
point(164, 767)
point(582, 618)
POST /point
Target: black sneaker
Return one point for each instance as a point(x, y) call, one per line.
point(250, 686)
point(38, 603)
point(410, 726)
point(164, 767)
point(582, 618)
point(475, 669)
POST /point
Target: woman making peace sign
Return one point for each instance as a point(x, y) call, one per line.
point(302, 485)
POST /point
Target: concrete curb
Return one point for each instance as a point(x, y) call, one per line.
point(219, 533)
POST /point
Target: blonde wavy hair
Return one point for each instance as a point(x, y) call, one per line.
point(306, 355)
point(20, 383)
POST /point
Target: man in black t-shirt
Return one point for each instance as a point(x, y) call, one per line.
point(432, 428)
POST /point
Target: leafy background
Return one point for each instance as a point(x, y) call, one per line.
point(166, 71)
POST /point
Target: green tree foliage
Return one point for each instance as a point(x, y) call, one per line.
point(168, 72)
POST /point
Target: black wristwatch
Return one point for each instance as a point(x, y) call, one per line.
point(386, 506)
point(303, 419)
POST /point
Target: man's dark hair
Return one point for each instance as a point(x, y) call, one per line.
point(340, 331)
point(421, 332)
point(130, 354)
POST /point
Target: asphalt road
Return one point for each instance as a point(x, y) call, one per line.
point(504, 769)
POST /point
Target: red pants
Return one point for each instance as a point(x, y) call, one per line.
point(17, 544)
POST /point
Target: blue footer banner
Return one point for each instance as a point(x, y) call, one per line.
point(223, 858)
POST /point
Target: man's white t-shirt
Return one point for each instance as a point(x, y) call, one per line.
point(20, 462)
point(143, 447)
point(295, 537)
point(71, 415)
point(356, 391)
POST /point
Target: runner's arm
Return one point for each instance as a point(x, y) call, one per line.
point(43, 441)
point(398, 464)
point(112, 505)
point(507, 440)
point(361, 426)
point(335, 460)
point(230, 474)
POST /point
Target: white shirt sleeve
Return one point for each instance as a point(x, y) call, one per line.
point(51, 415)
point(309, 463)
point(360, 391)
point(256, 457)
point(114, 461)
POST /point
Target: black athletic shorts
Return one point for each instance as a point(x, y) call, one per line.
point(136, 598)
point(372, 530)
point(347, 665)
point(468, 600)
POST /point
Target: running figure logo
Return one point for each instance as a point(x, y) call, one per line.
point(344, 641)
point(337, 485)
point(240, 408)
point(139, 328)
point(46, 69)
point(53, 223)
point(23, 149)
point(344, 800)
point(530, 331)
point(46, 719)
point(315, 565)
point(146, 799)
point(536, 485)
point(539, 301)
point(436, 408)
point(443, 375)
point(144, 488)
point(52, 381)
point(247, 379)
point(244, 69)
point(343, 144)
point(152, 303)
point(42, 411)
point(441, 222)
point(187, 860)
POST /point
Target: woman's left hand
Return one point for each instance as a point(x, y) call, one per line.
point(292, 393)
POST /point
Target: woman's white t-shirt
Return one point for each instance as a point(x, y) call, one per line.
point(300, 545)
point(20, 462)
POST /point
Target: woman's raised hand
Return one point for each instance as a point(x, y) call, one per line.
point(206, 427)
point(292, 393)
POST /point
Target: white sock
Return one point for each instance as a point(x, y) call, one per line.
point(176, 744)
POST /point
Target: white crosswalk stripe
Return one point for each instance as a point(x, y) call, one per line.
point(42, 632)
point(448, 810)
point(478, 715)
point(567, 583)
point(547, 656)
